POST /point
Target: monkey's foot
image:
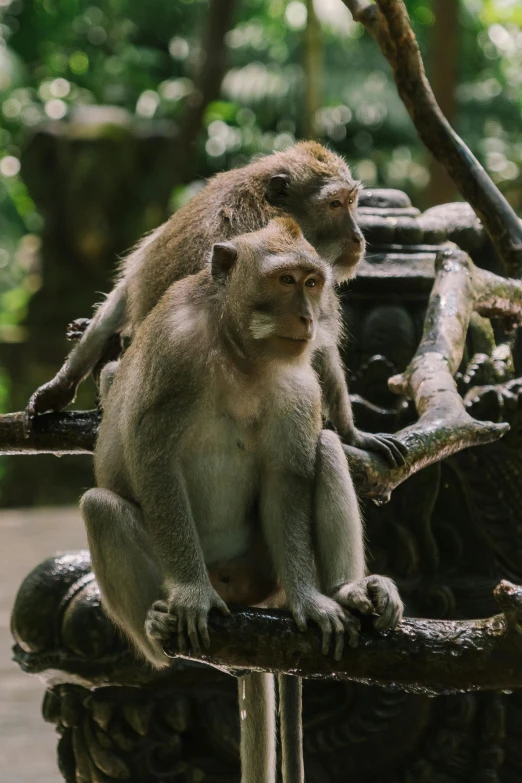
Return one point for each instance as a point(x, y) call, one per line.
point(391, 448)
point(160, 625)
point(54, 395)
point(373, 595)
point(330, 617)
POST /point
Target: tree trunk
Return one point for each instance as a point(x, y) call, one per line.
point(313, 70)
point(445, 48)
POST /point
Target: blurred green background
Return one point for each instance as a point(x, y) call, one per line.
point(112, 114)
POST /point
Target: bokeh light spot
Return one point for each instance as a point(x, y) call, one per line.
point(79, 63)
point(215, 147)
point(147, 104)
point(59, 88)
point(296, 15)
point(9, 166)
point(178, 48)
point(56, 109)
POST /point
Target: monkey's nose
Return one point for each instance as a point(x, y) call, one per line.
point(357, 238)
point(308, 324)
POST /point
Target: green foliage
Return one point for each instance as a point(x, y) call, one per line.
point(62, 55)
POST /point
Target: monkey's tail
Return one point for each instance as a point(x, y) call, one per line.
point(291, 727)
point(257, 720)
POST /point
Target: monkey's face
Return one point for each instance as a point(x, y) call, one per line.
point(332, 227)
point(286, 301)
point(315, 187)
point(275, 289)
point(327, 214)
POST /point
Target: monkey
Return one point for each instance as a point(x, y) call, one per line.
point(307, 182)
point(216, 482)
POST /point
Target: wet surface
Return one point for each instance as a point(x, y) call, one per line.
point(27, 744)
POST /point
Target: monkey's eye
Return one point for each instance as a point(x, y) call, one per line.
point(287, 279)
point(311, 283)
point(351, 200)
point(336, 204)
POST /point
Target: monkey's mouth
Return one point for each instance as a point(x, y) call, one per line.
point(349, 257)
point(294, 339)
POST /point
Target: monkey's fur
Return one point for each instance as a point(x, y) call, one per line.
point(307, 182)
point(216, 480)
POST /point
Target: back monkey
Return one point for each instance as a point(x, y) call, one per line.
point(216, 482)
point(307, 182)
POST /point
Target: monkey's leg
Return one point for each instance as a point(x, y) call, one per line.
point(61, 390)
point(174, 538)
point(291, 727)
point(339, 541)
point(106, 379)
point(129, 579)
point(338, 528)
point(257, 721)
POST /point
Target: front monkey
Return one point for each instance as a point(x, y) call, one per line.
point(216, 481)
point(307, 182)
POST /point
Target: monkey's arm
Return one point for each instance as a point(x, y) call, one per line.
point(285, 506)
point(338, 409)
point(339, 540)
point(61, 390)
point(169, 522)
point(338, 527)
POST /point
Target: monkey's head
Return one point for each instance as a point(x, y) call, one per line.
point(275, 288)
point(316, 187)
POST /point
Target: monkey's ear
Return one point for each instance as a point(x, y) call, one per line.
point(277, 187)
point(224, 256)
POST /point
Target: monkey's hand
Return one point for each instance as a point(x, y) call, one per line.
point(190, 605)
point(330, 617)
point(54, 395)
point(391, 448)
point(375, 595)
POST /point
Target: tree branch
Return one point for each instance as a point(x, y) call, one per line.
point(74, 432)
point(313, 70)
point(389, 24)
point(460, 288)
point(74, 641)
point(71, 432)
point(430, 656)
point(444, 426)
